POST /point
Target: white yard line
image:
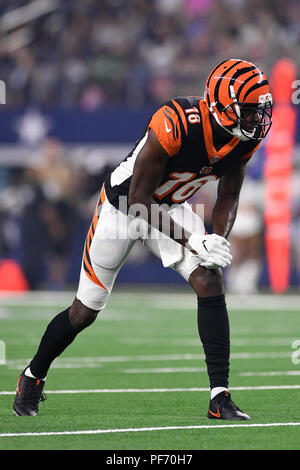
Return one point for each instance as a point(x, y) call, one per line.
point(150, 429)
point(162, 300)
point(164, 370)
point(174, 370)
point(270, 373)
point(235, 340)
point(14, 363)
point(160, 390)
point(96, 362)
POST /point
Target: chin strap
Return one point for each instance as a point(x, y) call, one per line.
point(235, 132)
point(244, 136)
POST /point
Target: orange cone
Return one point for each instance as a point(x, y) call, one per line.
point(12, 277)
point(278, 171)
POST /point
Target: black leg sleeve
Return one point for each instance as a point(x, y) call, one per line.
point(213, 327)
point(58, 335)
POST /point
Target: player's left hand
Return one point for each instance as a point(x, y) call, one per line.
point(208, 265)
point(213, 250)
point(216, 259)
point(215, 262)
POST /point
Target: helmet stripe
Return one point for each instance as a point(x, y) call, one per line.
point(214, 70)
point(240, 72)
point(245, 83)
point(209, 78)
point(218, 84)
point(254, 87)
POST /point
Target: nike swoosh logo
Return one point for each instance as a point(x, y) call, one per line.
point(203, 243)
point(168, 129)
point(217, 415)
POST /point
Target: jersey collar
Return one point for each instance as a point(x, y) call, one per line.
point(208, 137)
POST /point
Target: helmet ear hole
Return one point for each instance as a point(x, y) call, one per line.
point(231, 112)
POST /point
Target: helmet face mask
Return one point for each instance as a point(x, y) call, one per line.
point(238, 96)
point(252, 122)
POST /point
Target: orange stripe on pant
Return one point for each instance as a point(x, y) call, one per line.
point(87, 264)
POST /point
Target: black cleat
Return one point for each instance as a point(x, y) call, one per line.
point(28, 395)
point(222, 407)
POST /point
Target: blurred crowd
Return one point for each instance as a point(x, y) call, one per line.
point(45, 211)
point(46, 208)
point(93, 53)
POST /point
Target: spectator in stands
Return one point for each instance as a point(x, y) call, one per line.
point(159, 46)
point(51, 216)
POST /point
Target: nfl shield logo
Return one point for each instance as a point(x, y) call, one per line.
point(215, 159)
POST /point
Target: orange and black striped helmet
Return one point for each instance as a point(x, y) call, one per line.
point(237, 94)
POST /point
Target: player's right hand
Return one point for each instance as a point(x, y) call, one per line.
point(212, 249)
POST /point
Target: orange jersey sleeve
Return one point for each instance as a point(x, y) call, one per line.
point(165, 125)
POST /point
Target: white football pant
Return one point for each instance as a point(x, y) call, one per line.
point(112, 235)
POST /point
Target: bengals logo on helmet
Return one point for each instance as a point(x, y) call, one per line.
point(237, 94)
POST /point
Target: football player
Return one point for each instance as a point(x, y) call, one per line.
point(187, 142)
